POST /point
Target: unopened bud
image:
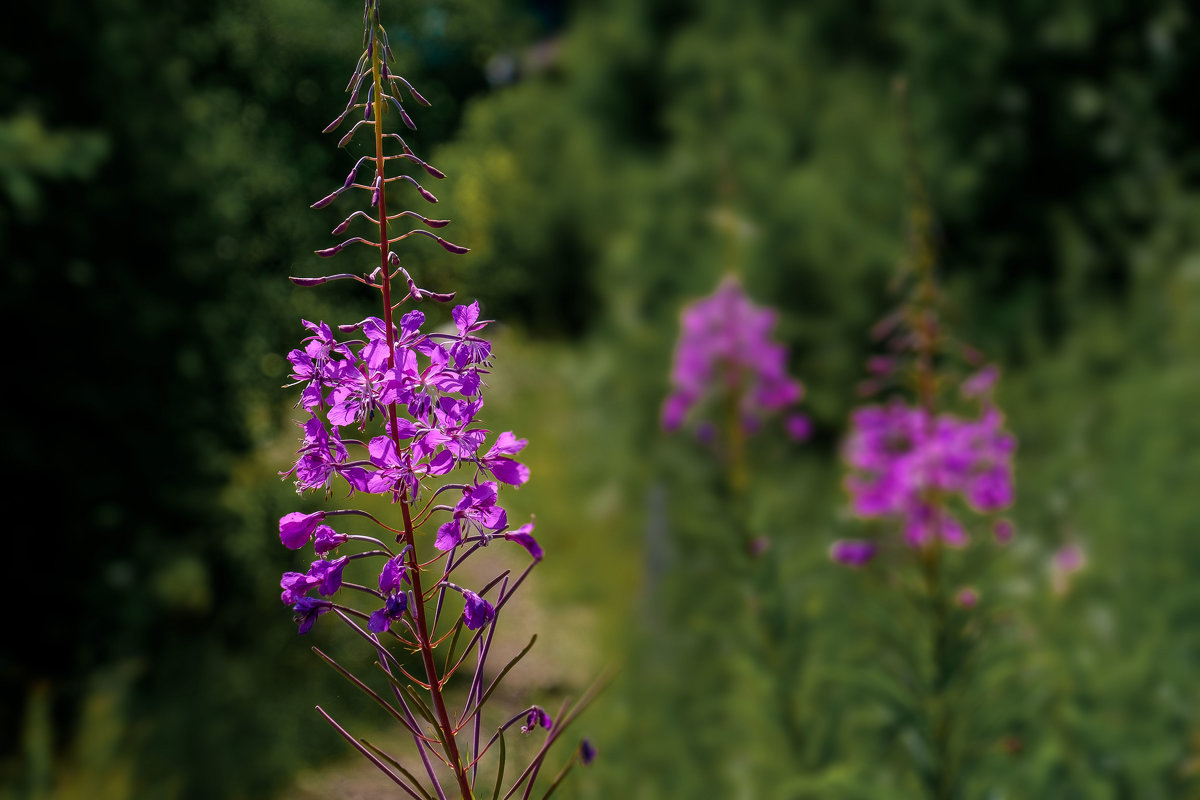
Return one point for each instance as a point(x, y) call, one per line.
point(336, 122)
point(331, 251)
point(417, 96)
point(457, 249)
point(326, 200)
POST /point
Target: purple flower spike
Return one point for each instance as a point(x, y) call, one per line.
point(477, 612)
point(390, 409)
point(296, 529)
point(899, 454)
point(725, 348)
point(852, 552)
point(536, 718)
point(587, 753)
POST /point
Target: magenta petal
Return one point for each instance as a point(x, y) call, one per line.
point(527, 541)
point(296, 529)
point(511, 472)
point(448, 536)
point(465, 316)
point(507, 444)
point(379, 622)
point(442, 463)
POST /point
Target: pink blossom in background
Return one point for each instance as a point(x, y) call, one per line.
point(905, 462)
point(725, 348)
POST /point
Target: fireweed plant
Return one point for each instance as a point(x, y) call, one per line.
point(729, 378)
point(924, 462)
point(730, 386)
point(391, 410)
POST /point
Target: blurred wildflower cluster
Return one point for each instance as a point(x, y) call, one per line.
point(908, 463)
point(725, 352)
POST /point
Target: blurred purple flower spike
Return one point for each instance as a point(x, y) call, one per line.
point(725, 347)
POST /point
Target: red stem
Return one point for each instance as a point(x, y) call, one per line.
point(414, 573)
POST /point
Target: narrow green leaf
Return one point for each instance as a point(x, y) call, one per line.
point(499, 769)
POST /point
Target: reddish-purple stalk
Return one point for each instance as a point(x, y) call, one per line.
point(926, 334)
point(414, 573)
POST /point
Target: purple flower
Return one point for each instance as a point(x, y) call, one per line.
point(852, 552)
point(396, 474)
point(393, 609)
point(356, 398)
point(306, 610)
point(449, 535)
point(497, 460)
point(328, 574)
point(1003, 530)
point(967, 597)
point(327, 539)
point(295, 585)
point(297, 528)
point(320, 456)
point(468, 349)
point(536, 718)
point(901, 456)
point(587, 753)
point(477, 612)
point(798, 426)
point(392, 574)
point(476, 509)
point(1069, 558)
point(324, 576)
point(524, 537)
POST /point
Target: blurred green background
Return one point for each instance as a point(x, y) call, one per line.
point(608, 161)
